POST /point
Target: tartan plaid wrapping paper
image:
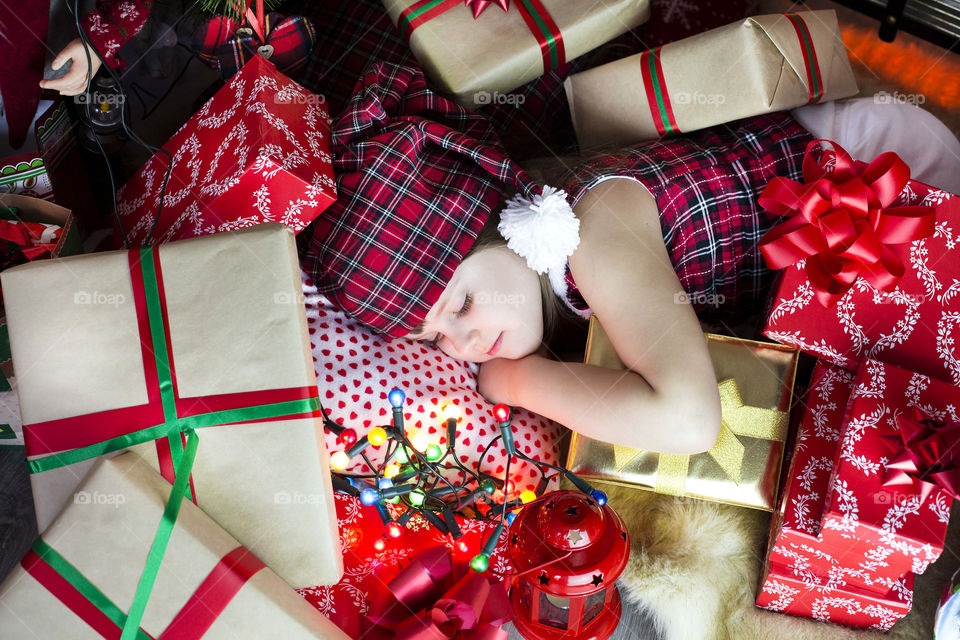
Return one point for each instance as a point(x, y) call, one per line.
point(292, 38)
point(351, 33)
point(706, 184)
point(417, 177)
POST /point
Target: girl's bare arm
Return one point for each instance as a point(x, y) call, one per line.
point(667, 399)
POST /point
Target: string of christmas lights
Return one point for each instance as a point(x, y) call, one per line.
point(413, 476)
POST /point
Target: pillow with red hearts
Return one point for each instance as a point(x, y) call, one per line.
point(356, 369)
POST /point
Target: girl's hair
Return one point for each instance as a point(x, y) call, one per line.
point(554, 310)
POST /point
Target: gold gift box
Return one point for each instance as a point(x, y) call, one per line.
point(764, 374)
point(753, 66)
point(474, 60)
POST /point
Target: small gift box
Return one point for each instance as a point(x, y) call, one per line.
point(35, 211)
point(743, 468)
point(374, 563)
point(758, 65)
point(876, 509)
point(801, 592)
point(258, 151)
point(144, 347)
point(79, 579)
point(872, 276)
point(479, 55)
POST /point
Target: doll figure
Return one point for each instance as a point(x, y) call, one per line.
point(652, 239)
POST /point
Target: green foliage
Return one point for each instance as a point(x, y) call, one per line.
point(233, 8)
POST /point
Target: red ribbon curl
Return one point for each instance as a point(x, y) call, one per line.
point(925, 457)
point(841, 221)
point(478, 6)
point(430, 603)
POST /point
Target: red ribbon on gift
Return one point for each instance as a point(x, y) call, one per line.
point(925, 457)
point(842, 222)
point(429, 602)
point(538, 20)
point(85, 600)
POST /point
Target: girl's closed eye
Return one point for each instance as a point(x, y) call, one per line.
point(467, 304)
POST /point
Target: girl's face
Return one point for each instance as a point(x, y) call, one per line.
point(490, 309)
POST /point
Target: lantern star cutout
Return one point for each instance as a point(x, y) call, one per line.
point(544, 579)
point(571, 511)
point(597, 579)
point(574, 536)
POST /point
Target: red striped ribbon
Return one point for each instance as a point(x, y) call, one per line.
point(814, 77)
point(658, 98)
point(197, 615)
point(534, 14)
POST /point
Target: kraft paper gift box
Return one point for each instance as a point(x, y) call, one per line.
point(207, 586)
point(258, 151)
point(91, 338)
point(755, 429)
point(911, 326)
point(865, 513)
point(801, 592)
point(758, 65)
point(478, 60)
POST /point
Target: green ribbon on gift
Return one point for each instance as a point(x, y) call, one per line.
point(172, 428)
point(86, 588)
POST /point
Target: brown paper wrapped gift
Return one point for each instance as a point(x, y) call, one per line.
point(105, 535)
point(743, 468)
point(759, 65)
point(83, 341)
point(478, 60)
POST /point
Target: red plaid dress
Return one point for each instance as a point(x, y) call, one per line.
point(706, 186)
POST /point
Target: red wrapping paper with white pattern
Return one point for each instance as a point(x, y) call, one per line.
point(912, 326)
point(258, 151)
point(799, 591)
point(893, 526)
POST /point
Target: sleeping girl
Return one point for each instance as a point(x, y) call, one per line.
point(660, 236)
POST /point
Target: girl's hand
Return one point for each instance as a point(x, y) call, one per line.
point(75, 81)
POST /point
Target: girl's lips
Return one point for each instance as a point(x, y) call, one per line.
point(496, 345)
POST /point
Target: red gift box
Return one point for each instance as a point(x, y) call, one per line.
point(807, 482)
point(910, 325)
point(258, 151)
point(795, 540)
point(801, 592)
point(368, 570)
point(865, 516)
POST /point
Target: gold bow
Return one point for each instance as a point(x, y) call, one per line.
point(737, 419)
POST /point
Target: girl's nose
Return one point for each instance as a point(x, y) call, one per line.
point(465, 341)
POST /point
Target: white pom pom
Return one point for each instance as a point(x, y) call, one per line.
point(543, 231)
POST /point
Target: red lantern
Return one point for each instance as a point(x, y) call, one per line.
point(567, 551)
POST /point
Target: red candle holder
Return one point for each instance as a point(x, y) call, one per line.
point(567, 551)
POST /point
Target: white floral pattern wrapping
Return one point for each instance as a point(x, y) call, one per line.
point(911, 326)
point(893, 528)
point(258, 151)
point(798, 591)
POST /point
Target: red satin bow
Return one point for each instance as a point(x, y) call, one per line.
point(430, 604)
point(478, 6)
point(841, 221)
point(925, 457)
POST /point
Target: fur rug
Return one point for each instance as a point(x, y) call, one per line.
point(695, 566)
